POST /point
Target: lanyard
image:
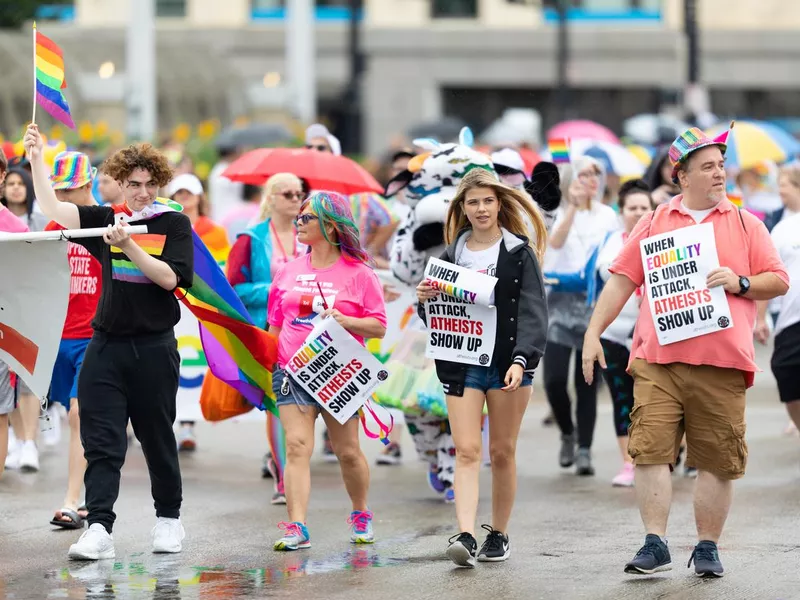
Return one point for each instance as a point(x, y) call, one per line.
point(280, 244)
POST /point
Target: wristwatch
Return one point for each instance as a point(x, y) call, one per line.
point(744, 285)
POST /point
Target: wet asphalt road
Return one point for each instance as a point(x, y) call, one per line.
point(570, 537)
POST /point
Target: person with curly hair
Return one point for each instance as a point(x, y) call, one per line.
point(131, 366)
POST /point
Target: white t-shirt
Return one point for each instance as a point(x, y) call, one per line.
point(482, 261)
point(698, 215)
point(589, 229)
point(621, 329)
point(787, 241)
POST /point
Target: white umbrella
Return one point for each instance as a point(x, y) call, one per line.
point(622, 161)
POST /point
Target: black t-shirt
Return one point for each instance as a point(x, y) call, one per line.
point(131, 304)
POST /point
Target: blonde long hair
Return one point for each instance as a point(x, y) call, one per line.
point(271, 188)
point(514, 205)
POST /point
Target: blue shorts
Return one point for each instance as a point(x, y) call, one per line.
point(64, 384)
point(296, 394)
point(488, 378)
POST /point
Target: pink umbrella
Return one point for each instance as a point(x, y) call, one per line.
point(583, 129)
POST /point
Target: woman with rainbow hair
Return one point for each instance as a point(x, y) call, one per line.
point(333, 280)
point(256, 257)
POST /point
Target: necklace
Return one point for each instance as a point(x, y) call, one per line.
point(491, 241)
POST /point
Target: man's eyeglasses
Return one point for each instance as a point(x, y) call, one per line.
point(319, 148)
point(290, 195)
point(304, 219)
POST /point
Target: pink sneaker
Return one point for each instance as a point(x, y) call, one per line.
point(625, 477)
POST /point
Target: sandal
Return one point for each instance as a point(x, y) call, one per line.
point(76, 521)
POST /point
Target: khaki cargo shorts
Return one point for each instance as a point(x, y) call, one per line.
point(705, 402)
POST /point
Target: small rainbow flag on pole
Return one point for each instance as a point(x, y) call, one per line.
point(559, 151)
point(49, 80)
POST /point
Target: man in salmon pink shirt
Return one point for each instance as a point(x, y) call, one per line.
point(71, 179)
point(695, 386)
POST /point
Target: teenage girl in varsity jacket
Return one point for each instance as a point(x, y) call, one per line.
point(485, 231)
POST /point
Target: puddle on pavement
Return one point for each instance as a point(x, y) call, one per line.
point(164, 578)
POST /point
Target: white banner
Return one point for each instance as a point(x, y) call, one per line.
point(193, 367)
point(336, 370)
point(462, 323)
point(676, 265)
point(34, 295)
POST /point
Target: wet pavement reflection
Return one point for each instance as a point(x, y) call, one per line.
point(147, 576)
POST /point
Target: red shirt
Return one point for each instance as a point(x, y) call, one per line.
point(84, 290)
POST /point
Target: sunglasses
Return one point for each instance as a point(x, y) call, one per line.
point(290, 195)
point(304, 219)
point(320, 147)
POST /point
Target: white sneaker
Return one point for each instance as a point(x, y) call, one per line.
point(52, 436)
point(95, 544)
point(168, 535)
point(29, 457)
point(12, 458)
point(186, 439)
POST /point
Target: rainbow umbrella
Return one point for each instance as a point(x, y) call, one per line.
point(751, 142)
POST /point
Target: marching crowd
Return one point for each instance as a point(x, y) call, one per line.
point(571, 289)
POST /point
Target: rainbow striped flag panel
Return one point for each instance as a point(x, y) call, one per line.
point(238, 352)
point(559, 151)
point(50, 79)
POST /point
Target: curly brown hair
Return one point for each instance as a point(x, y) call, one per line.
point(122, 163)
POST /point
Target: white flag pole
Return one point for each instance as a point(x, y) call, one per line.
point(33, 117)
point(68, 234)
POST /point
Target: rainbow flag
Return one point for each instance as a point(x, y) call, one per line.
point(559, 151)
point(238, 352)
point(50, 80)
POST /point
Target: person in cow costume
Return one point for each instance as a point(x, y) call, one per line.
point(429, 182)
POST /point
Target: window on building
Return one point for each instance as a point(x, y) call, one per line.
point(454, 9)
point(170, 8)
point(272, 4)
point(615, 5)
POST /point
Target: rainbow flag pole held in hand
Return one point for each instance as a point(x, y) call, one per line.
point(49, 79)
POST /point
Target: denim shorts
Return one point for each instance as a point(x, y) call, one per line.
point(296, 394)
point(488, 378)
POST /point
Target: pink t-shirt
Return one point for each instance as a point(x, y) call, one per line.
point(743, 245)
point(10, 223)
point(351, 287)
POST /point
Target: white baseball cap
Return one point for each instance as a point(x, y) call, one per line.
point(509, 158)
point(187, 182)
point(318, 130)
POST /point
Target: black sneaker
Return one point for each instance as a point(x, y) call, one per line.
point(266, 471)
point(495, 548)
point(462, 549)
point(706, 560)
point(651, 558)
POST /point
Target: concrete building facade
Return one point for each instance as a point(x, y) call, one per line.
point(428, 58)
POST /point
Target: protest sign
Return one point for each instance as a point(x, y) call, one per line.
point(676, 264)
point(335, 369)
point(462, 320)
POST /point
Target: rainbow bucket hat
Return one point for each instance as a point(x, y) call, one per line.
point(690, 141)
point(72, 170)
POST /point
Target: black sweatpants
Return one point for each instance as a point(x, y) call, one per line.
point(619, 383)
point(556, 374)
point(132, 378)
